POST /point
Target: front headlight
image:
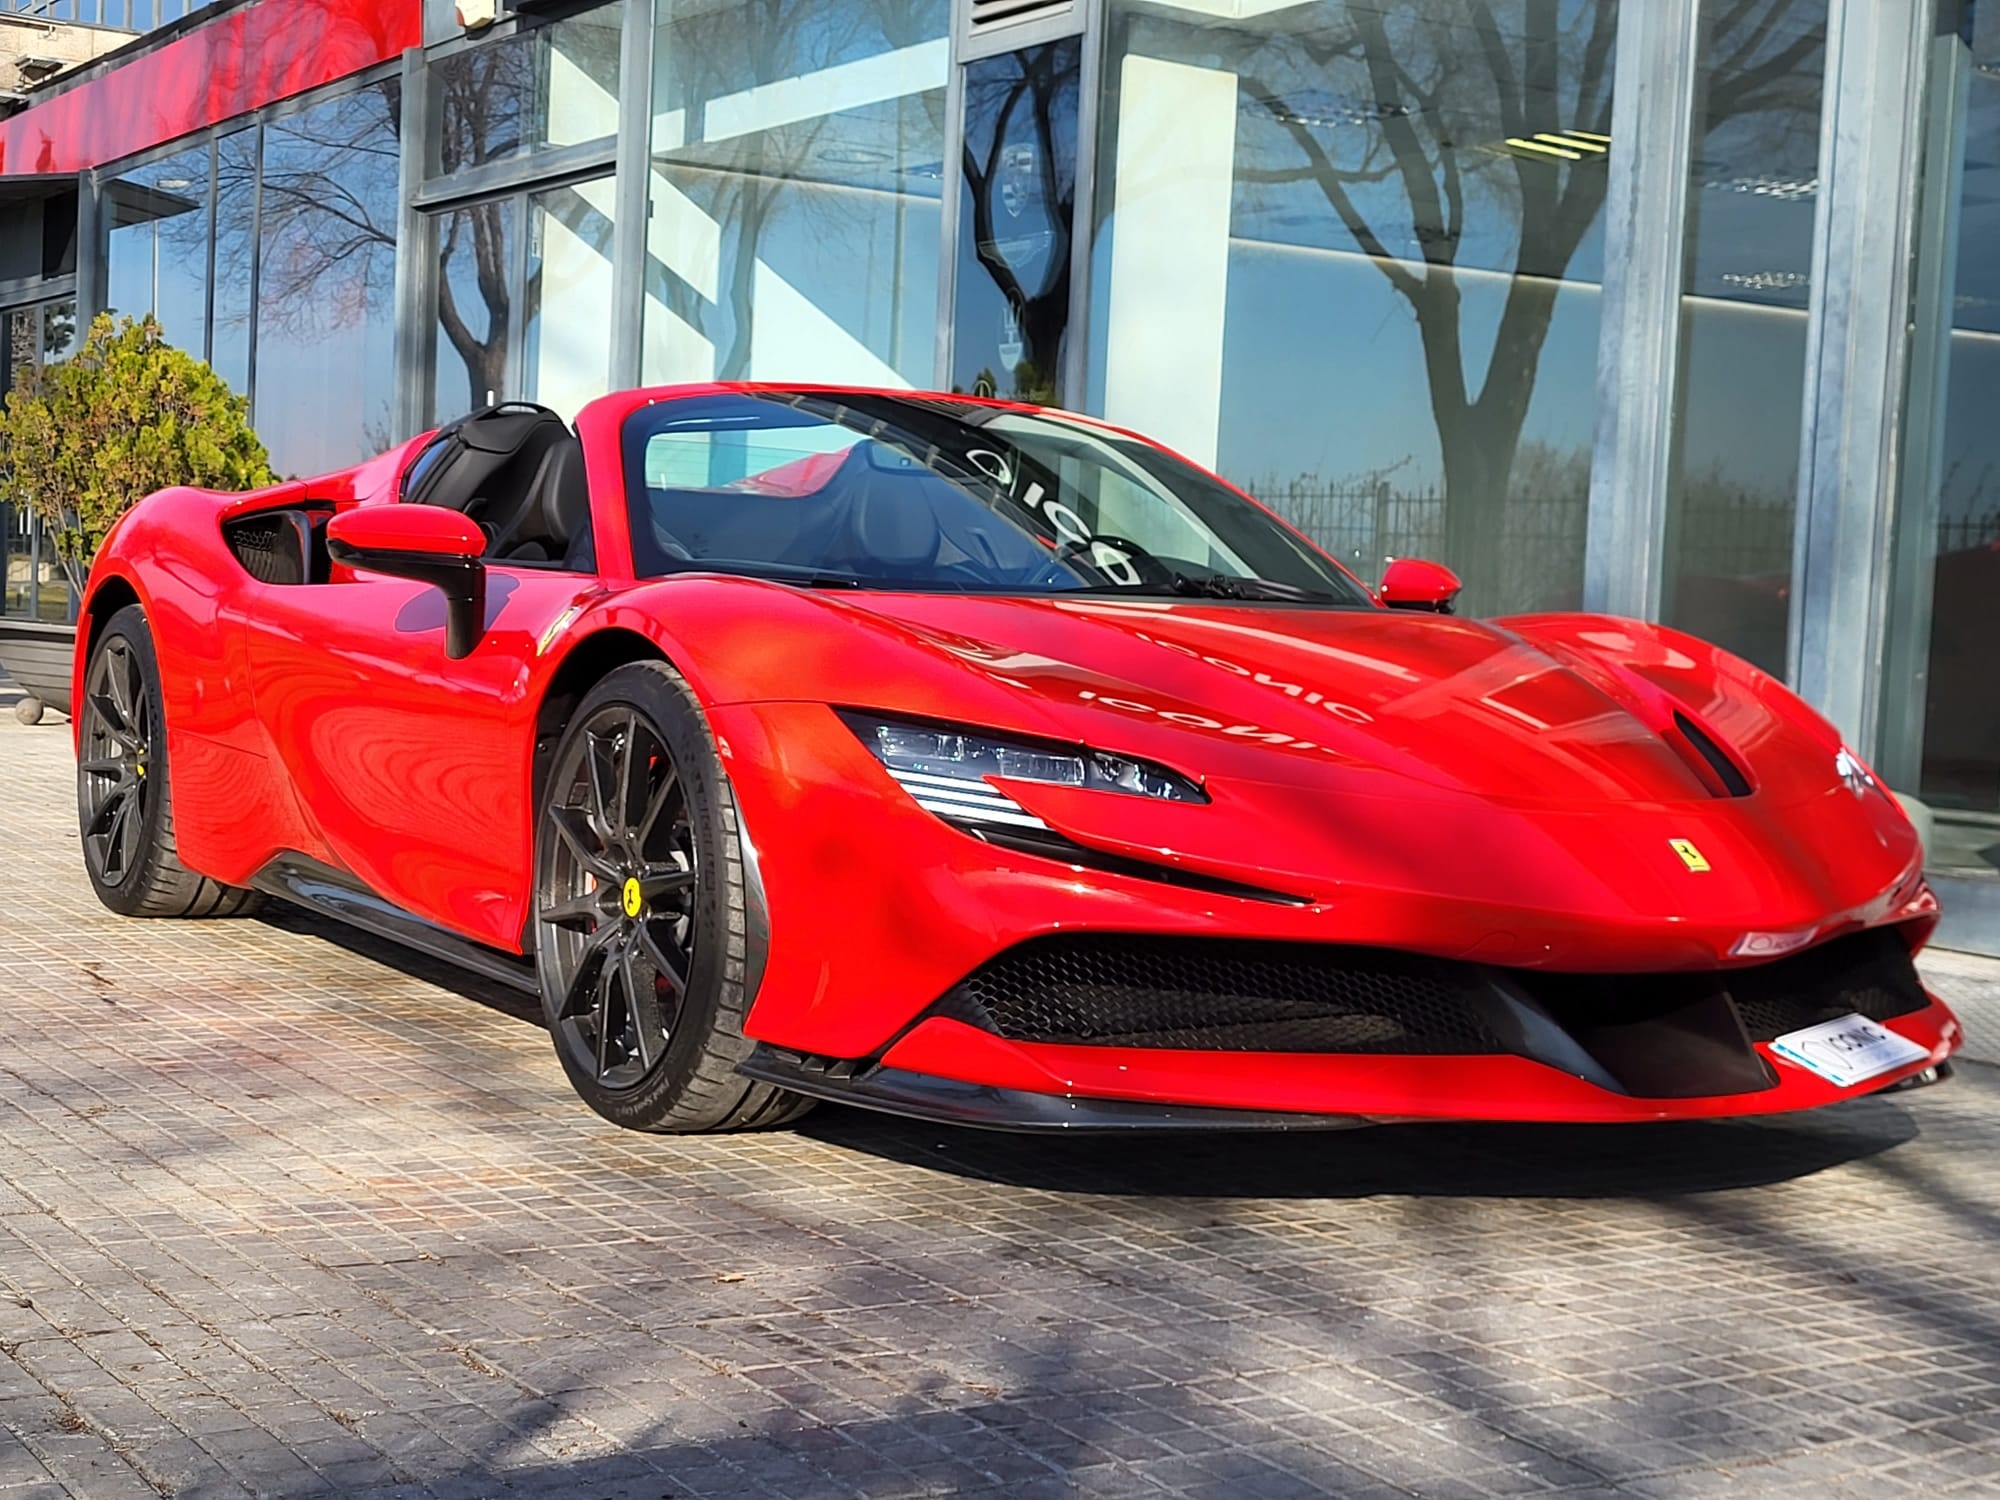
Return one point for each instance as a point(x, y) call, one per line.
point(945, 768)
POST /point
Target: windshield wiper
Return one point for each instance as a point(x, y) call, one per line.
point(1228, 586)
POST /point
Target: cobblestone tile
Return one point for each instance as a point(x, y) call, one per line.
point(284, 1215)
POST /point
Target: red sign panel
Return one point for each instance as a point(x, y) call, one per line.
point(264, 52)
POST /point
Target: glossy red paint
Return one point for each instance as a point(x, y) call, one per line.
point(1508, 792)
point(1413, 583)
point(1380, 1088)
point(247, 58)
point(422, 529)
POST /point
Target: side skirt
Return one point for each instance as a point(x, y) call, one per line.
point(332, 893)
point(920, 1096)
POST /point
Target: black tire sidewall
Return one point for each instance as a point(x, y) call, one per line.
point(129, 896)
point(710, 1018)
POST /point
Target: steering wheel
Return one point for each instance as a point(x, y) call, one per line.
point(1148, 567)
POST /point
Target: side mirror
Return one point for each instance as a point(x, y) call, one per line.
point(426, 543)
point(1412, 583)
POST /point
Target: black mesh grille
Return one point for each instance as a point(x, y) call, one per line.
point(270, 547)
point(1869, 974)
point(1226, 996)
point(1222, 995)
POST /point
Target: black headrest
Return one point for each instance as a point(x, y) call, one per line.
point(470, 460)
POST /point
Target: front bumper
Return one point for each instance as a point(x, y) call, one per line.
point(949, 1071)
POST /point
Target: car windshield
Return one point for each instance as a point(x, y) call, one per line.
point(888, 491)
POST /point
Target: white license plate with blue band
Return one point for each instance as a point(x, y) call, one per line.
point(1848, 1051)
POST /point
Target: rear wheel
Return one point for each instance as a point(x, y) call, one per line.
point(640, 914)
point(124, 806)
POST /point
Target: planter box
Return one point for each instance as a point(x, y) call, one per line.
point(38, 656)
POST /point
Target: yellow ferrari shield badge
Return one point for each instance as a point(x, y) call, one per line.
point(1690, 856)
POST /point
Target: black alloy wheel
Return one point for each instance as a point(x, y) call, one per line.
point(618, 898)
point(643, 929)
point(114, 791)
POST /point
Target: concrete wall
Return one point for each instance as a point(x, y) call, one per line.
point(23, 36)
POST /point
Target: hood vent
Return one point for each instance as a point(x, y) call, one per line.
point(1724, 775)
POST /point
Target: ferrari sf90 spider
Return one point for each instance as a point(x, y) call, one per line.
point(986, 764)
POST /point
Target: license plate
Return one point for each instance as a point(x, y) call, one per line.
point(1848, 1051)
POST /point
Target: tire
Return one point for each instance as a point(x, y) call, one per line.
point(29, 710)
point(125, 809)
point(641, 916)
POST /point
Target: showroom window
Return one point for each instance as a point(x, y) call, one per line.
point(542, 89)
point(521, 285)
point(157, 255)
point(1351, 255)
point(1941, 719)
point(325, 351)
point(798, 159)
point(1016, 220)
point(1752, 194)
point(235, 256)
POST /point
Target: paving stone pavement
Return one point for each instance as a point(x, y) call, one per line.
point(280, 1218)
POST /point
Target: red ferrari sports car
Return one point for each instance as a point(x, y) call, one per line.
point(986, 764)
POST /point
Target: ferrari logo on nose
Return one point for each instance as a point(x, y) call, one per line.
point(1690, 856)
point(634, 900)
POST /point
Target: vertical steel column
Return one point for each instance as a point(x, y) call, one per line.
point(1639, 333)
point(416, 267)
point(92, 268)
point(633, 194)
point(1083, 219)
point(951, 188)
point(1857, 349)
point(1899, 744)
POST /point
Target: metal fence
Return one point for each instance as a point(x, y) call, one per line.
point(1723, 532)
point(1539, 550)
point(126, 15)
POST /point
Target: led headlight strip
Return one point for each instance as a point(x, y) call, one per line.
point(945, 769)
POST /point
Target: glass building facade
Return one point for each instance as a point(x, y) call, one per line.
point(1676, 310)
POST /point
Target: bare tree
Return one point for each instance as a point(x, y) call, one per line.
point(1033, 97)
point(1438, 89)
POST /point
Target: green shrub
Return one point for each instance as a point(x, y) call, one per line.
point(83, 441)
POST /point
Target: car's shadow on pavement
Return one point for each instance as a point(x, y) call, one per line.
point(489, 993)
point(1428, 1160)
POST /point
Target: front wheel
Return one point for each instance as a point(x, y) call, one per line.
point(640, 914)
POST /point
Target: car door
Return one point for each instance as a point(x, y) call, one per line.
point(413, 770)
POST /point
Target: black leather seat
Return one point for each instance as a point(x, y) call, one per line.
point(553, 521)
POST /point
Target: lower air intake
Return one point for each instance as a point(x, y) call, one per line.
point(1217, 995)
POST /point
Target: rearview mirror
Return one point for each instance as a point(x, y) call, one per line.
point(428, 544)
point(1412, 583)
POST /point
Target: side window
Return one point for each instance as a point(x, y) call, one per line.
point(762, 460)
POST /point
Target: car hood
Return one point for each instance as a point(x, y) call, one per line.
point(1533, 778)
point(1361, 698)
point(1535, 774)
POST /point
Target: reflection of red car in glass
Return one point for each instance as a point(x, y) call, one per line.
point(986, 764)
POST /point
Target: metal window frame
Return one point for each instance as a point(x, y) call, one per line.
point(632, 194)
point(1086, 21)
point(1653, 87)
point(427, 195)
point(1858, 340)
point(1858, 336)
point(1900, 730)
